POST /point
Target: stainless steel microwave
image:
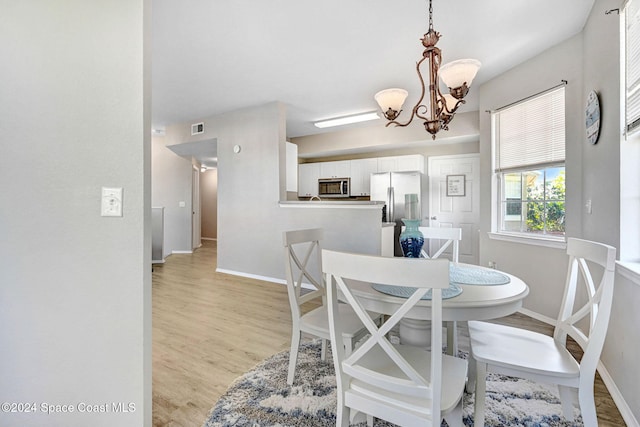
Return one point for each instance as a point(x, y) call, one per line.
point(334, 187)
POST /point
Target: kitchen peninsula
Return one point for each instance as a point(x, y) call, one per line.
point(350, 225)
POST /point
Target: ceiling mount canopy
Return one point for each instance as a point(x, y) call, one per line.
point(437, 110)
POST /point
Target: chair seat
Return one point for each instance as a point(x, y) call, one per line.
point(520, 353)
point(454, 373)
point(316, 322)
point(524, 351)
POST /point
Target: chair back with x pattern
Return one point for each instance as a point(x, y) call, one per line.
point(402, 377)
point(593, 315)
point(302, 249)
point(451, 237)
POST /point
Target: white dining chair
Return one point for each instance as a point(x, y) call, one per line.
point(451, 237)
point(303, 269)
point(584, 316)
point(405, 385)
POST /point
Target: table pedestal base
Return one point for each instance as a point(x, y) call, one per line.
point(415, 332)
point(418, 333)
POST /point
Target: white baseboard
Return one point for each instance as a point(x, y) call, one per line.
point(157, 261)
point(538, 316)
point(251, 276)
point(617, 397)
point(181, 252)
point(208, 238)
point(263, 278)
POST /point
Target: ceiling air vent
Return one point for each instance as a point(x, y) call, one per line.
point(197, 128)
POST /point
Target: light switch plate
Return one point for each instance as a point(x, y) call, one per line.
point(111, 201)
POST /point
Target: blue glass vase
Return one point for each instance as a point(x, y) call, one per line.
point(411, 239)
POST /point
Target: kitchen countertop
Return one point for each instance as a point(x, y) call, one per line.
point(346, 204)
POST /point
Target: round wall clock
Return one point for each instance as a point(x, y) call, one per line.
point(592, 116)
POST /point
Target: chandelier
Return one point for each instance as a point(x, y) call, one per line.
point(439, 111)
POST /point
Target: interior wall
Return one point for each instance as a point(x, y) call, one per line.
point(251, 183)
point(209, 202)
point(247, 180)
point(75, 286)
point(562, 62)
point(601, 162)
point(171, 185)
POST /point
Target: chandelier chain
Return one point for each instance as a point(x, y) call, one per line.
point(430, 16)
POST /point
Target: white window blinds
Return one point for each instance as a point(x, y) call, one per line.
point(632, 55)
point(531, 133)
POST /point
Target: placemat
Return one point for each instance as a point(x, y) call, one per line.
point(407, 291)
point(470, 275)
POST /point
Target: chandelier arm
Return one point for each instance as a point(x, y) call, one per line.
point(398, 124)
point(414, 111)
point(426, 109)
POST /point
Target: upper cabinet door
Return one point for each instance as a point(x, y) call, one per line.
point(361, 171)
point(410, 163)
point(338, 169)
point(308, 174)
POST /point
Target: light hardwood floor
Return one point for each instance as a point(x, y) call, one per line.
point(209, 328)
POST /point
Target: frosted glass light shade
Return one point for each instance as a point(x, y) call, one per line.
point(450, 101)
point(391, 99)
point(456, 73)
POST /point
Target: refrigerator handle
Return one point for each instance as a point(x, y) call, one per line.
point(390, 204)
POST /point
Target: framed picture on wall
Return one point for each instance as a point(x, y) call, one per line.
point(455, 185)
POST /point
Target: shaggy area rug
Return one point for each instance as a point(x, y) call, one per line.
point(262, 398)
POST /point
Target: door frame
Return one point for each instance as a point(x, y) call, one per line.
point(196, 226)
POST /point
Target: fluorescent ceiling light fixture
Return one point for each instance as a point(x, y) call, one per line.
point(347, 120)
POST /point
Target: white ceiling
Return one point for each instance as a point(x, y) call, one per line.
point(328, 58)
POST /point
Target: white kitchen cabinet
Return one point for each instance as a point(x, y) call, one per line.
point(337, 169)
point(361, 170)
point(308, 174)
point(410, 163)
point(292, 166)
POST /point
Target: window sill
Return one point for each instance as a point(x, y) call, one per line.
point(630, 270)
point(529, 240)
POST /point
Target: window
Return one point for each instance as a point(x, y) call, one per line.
point(632, 62)
point(529, 148)
point(629, 248)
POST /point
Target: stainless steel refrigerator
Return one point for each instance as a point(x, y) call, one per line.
point(390, 188)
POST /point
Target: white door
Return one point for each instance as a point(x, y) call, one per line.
point(461, 207)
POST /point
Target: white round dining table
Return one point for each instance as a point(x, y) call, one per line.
point(476, 302)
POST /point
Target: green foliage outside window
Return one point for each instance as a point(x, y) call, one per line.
point(546, 205)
